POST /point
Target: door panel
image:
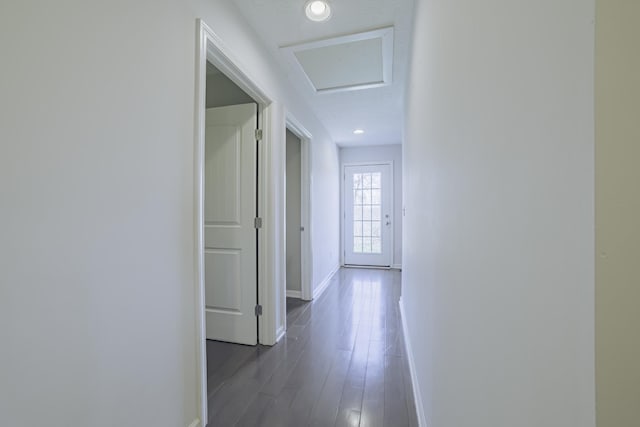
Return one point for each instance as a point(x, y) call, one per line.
point(223, 161)
point(229, 235)
point(367, 218)
point(225, 266)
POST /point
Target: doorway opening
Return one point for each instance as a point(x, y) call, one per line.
point(235, 301)
point(230, 212)
point(293, 215)
point(298, 249)
point(367, 214)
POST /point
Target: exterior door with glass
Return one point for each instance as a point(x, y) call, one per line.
point(368, 195)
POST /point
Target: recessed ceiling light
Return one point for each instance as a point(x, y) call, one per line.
point(317, 10)
point(358, 131)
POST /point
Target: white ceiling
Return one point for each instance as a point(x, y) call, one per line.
point(378, 110)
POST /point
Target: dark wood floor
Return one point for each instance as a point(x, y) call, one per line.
point(342, 363)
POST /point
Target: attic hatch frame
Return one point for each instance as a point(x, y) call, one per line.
point(385, 35)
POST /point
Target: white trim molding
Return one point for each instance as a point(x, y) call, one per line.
point(195, 423)
point(271, 234)
point(211, 48)
point(417, 396)
point(294, 294)
point(322, 286)
point(200, 110)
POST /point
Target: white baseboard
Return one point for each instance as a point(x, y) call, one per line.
point(280, 333)
point(294, 294)
point(195, 423)
point(318, 290)
point(367, 267)
point(396, 266)
point(417, 396)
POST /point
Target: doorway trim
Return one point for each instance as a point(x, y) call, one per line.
point(343, 208)
point(306, 248)
point(209, 47)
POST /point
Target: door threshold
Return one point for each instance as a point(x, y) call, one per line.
point(375, 267)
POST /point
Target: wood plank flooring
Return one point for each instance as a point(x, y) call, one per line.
point(342, 363)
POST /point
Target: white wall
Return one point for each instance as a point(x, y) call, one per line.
point(96, 178)
point(498, 279)
point(383, 153)
point(325, 211)
point(96, 181)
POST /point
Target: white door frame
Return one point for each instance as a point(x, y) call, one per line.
point(306, 255)
point(210, 47)
point(343, 207)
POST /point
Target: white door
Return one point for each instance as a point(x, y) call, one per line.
point(368, 198)
point(230, 237)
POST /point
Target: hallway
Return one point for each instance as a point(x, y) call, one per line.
point(342, 363)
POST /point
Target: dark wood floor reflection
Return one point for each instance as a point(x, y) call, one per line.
point(342, 363)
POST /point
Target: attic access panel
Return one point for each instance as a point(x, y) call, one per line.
point(356, 61)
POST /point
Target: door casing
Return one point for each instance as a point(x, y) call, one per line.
point(305, 212)
point(211, 48)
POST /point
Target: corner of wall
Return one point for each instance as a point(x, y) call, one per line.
point(324, 284)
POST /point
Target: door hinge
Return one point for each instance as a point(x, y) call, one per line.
point(258, 134)
point(257, 222)
point(258, 310)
